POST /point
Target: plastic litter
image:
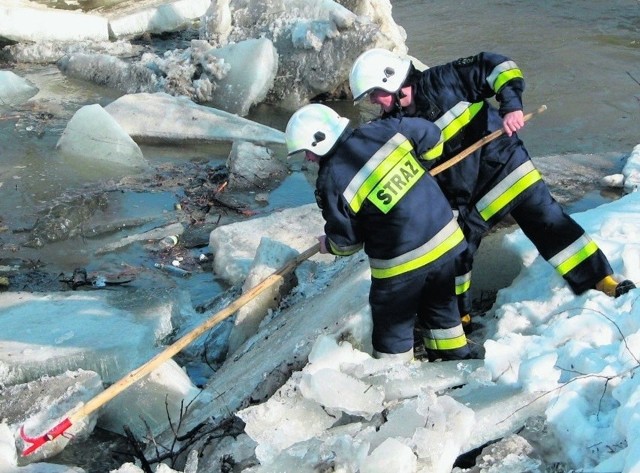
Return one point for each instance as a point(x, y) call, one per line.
point(173, 270)
point(169, 241)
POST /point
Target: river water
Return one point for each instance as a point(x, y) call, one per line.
point(580, 58)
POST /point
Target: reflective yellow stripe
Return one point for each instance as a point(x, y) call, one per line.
point(574, 254)
point(445, 339)
point(506, 77)
point(446, 239)
point(376, 168)
point(343, 251)
point(435, 152)
point(503, 73)
point(451, 123)
point(578, 258)
point(463, 283)
point(508, 189)
point(514, 191)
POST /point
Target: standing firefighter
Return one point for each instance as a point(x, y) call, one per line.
point(497, 179)
point(373, 192)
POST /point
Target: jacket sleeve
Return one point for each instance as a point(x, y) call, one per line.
point(487, 75)
point(423, 134)
point(341, 227)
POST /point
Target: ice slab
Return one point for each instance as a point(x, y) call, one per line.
point(391, 455)
point(234, 246)
point(95, 139)
point(285, 419)
point(447, 428)
point(50, 52)
point(283, 344)
point(335, 390)
point(215, 24)
point(270, 256)
point(148, 405)
point(156, 19)
point(109, 71)
point(499, 410)
point(41, 404)
point(29, 21)
point(409, 380)
point(317, 41)
point(161, 118)
point(513, 454)
point(47, 334)
point(631, 171)
point(252, 166)
point(14, 89)
point(253, 67)
point(424, 433)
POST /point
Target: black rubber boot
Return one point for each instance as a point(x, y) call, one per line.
point(624, 287)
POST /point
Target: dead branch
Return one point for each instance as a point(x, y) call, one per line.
point(137, 449)
point(180, 443)
point(224, 428)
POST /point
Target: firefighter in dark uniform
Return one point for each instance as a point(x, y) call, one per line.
point(497, 179)
point(373, 192)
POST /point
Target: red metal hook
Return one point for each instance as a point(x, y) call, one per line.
point(37, 442)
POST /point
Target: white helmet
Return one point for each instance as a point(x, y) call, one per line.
point(314, 128)
point(378, 69)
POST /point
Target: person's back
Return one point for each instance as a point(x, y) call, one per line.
point(374, 192)
point(390, 216)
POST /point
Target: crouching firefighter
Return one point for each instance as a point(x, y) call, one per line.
point(373, 192)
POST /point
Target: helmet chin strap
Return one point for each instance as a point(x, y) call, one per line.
point(397, 97)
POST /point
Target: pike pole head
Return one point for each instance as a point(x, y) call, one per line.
point(34, 443)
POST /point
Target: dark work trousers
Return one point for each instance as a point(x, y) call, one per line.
point(428, 294)
point(549, 228)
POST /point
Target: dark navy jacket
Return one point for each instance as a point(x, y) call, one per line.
point(373, 191)
point(455, 96)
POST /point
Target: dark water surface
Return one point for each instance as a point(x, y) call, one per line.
point(579, 57)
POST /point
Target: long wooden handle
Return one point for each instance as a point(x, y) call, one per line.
point(140, 372)
point(478, 144)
